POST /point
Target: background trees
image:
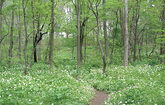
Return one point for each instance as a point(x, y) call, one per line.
point(86, 24)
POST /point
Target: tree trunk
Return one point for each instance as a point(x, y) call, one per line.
point(105, 34)
point(132, 27)
point(19, 33)
point(98, 32)
point(51, 38)
point(113, 45)
point(35, 54)
point(26, 38)
point(39, 51)
point(122, 21)
point(33, 21)
point(162, 46)
point(78, 36)
point(36, 38)
point(136, 26)
point(1, 5)
point(11, 39)
point(126, 37)
point(81, 44)
point(72, 53)
point(85, 48)
point(100, 46)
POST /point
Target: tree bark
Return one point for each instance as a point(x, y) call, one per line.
point(122, 21)
point(98, 32)
point(33, 21)
point(113, 45)
point(162, 46)
point(39, 50)
point(36, 38)
point(132, 27)
point(51, 38)
point(85, 48)
point(105, 33)
point(79, 34)
point(19, 33)
point(136, 26)
point(11, 39)
point(126, 36)
point(26, 38)
point(1, 5)
point(72, 52)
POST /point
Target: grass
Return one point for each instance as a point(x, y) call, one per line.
point(42, 87)
point(142, 83)
point(135, 85)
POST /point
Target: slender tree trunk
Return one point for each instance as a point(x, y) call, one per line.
point(98, 32)
point(141, 46)
point(78, 36)
point(81, 44)
point(39, 50)
point(36, 38)
point(33, 20)
point(1, 5)
point(96, 42)
point(26, 38)
point(126, 37)
point(100, 46)
point(35, 54)
point(73, 52)
point(136, 26)
point(85, 48)
point(51, 38)
point(19, 34)
point(105, 34)
point(132, 27)
point(11, 39)
point(162, 46)
point(113, 45)
point(146, 44)
point(122, 21)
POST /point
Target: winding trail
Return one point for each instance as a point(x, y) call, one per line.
point(99, 98)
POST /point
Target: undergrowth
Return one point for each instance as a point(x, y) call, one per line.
point(139, 85)
point(42, 87)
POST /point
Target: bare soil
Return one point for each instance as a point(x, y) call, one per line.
point(99, 98)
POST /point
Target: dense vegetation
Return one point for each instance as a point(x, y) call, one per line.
point(56, 52)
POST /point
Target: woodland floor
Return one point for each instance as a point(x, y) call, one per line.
point(99, 98)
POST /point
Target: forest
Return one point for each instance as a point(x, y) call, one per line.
point(82, 52)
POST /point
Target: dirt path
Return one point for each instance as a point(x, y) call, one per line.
point(99, 98)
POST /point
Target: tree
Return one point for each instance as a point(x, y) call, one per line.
point(105, 33)
point(19, 32)
point(96, 14)
point(11, 38)
point(51, 38)
point(126, 36)
point(1, 38)
point(162, 46)
point(78, 36)
point(137, 15)
point(26, 38)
